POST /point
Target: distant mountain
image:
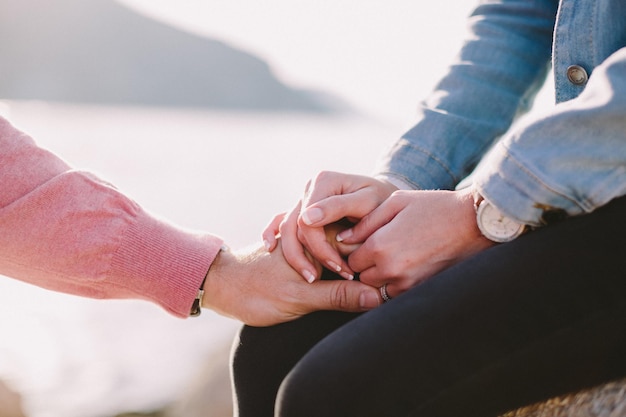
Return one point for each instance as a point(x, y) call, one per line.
point(99, 51)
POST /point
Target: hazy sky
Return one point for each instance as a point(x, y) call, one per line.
point(382, 56)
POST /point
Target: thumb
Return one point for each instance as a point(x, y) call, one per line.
point(343, 295)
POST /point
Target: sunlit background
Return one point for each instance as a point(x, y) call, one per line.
point(292, 87)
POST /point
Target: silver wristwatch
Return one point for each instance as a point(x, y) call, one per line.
point(494, 225)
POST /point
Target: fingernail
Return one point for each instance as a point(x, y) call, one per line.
point(344, 235)
point(346, 275)
point(312, 215)
point(368, 300)
point(308, 275)
point(266, 244)
point(333, 266)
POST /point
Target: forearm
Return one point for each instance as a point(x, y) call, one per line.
point(71, 232)
point(573, 159)
point(499, 69)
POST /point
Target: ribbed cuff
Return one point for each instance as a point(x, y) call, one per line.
point(162, 263)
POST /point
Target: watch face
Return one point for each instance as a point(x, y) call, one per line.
point(495, 226)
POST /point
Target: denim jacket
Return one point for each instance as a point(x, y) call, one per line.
point(571, 158)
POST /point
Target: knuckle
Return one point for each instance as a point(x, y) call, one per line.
point(377, 248)
point(387, 271)
point(322, 176)
point(391, 270)
point(284, 227)
point(339, 297)
point(398, 197)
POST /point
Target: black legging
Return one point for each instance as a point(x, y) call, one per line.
point(520, 322)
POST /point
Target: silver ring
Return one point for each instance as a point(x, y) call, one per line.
point(384, 294)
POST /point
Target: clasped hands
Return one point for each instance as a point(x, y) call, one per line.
point(396, 238)
point(393, 238)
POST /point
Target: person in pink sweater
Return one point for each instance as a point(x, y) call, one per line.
point(67, 230)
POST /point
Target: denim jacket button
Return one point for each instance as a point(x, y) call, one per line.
point(577, 75)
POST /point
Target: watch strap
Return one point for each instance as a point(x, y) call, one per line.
point(196, 307)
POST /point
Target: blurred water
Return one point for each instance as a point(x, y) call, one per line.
point(227, 173)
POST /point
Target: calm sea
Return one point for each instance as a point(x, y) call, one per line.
point(223, 172)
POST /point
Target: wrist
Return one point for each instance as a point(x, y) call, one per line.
point(468, 203)
point(394, 182)
point(389, 186)
point(201, 297)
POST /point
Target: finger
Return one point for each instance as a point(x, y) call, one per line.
point(392, 288)
point(328, 184)
point(361, 260)
point(397, 280)
point(374, 277)
point(324, 184)
point(270, 232)
point(352, 296)
point(355, 205)
point(293, 250)
point(345, 249)
point(314, 238)
point(307, 187)
point(369, 224)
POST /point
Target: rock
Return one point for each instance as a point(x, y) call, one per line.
point(10, 402)
point(606, 400)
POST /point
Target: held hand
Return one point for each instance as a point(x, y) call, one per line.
point(261, 289)
point(330, 197)
point(412, 236)
point(284, 225)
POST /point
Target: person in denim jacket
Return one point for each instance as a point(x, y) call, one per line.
point(502, 293)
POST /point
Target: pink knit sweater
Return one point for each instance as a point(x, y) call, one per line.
point(69, 231)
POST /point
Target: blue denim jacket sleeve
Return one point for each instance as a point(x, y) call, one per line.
point(573, 159)
point(503, 62)
point(552, 161)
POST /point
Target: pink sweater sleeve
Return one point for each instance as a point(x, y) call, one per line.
point(69, 231)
